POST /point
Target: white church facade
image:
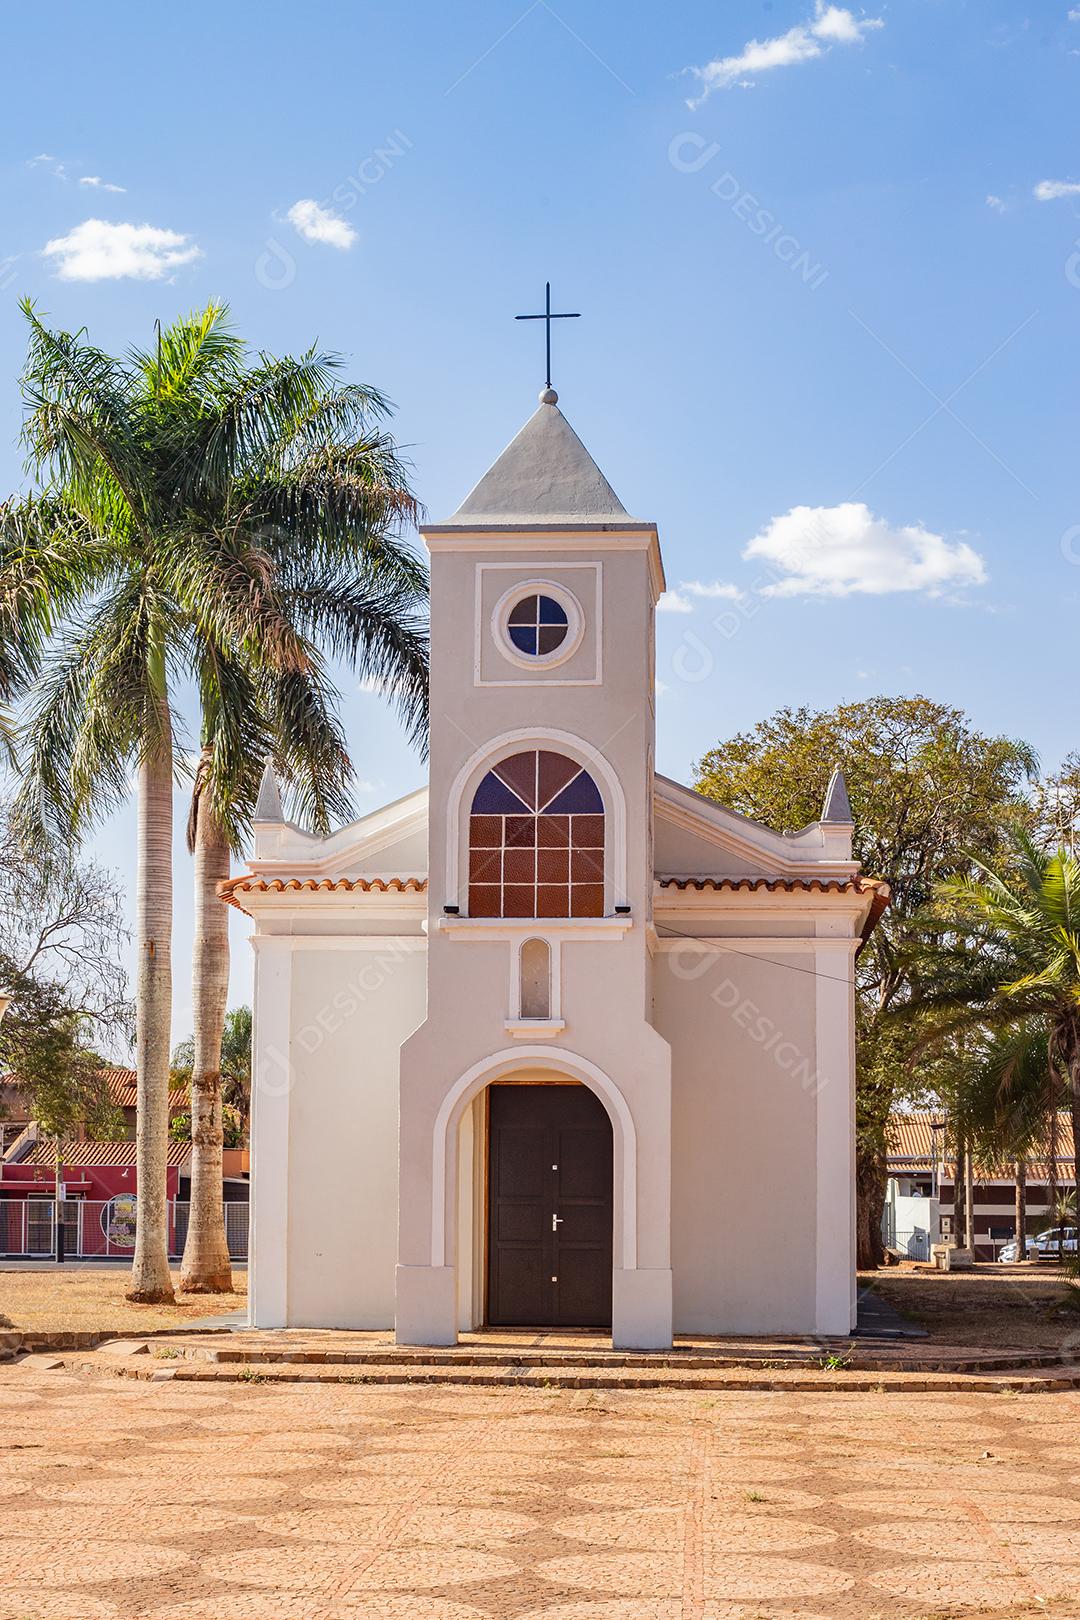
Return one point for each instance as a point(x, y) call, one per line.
point(554, 1042)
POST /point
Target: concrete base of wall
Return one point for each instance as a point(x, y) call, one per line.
point(835, 1320)
point(641, 1310)
point(426, 1305)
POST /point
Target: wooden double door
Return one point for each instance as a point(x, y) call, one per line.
point(550, 1181)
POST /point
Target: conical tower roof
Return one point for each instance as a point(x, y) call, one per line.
point(544, 476)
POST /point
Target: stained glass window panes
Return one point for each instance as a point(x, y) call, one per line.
point(537, 625)
point(536, 840)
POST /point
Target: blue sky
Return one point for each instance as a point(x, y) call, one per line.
point(830, 309)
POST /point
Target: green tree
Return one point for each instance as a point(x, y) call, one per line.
point(216, 520)
point(61, 944)
point(928, 793)
point(232, 1128)
point(1057, 805)
point(235, 1065)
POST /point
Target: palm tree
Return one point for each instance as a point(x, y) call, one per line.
point(1007, 960)
point(1012, 1104)
point(210, 520)
point(324, 495)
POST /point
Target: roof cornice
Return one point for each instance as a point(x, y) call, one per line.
point(507, 537)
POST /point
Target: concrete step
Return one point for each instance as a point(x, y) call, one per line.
point(657, 1363)
point(545, 1378)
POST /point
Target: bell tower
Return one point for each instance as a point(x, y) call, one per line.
point(543, 597)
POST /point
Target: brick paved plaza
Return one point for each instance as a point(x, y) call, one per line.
point(303, 1502)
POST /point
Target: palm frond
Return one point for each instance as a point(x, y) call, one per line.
point(193, 360)
point(250, 422)
point(375, 630)
point(236, 739)
point(309, 750)
point(1059, 892)
point(80, 425)
point(95, 711)
point(227, 585)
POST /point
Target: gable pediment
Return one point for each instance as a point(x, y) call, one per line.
point(696, 837)
point(388, 842)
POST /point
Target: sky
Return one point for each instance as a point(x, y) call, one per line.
point(827, 261)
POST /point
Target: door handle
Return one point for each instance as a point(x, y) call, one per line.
point(556, 1222)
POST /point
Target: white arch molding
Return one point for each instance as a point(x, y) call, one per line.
point(512, 742)
point(500, 1064)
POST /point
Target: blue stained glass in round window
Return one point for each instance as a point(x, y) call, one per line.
point(537, 625)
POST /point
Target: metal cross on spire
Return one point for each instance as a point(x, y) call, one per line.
point(547, 317)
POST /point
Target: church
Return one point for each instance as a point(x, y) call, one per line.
point(554, 1042)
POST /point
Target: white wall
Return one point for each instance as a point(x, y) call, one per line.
point(743, 1138)
point(351, 1009)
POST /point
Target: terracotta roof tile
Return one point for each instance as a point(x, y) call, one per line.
point(123, 1089)
point(122, 1085)
point(797, 885)
point(911, 1148)
point(246, 884)
point(106, 1155)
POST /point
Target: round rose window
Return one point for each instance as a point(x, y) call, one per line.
point(537, 626)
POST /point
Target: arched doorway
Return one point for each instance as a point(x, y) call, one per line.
point(550, 1213)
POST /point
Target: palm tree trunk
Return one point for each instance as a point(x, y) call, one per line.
point(206, 1268)
point(150, 1279)
point(959, 1195)
point(969, 1201)
point(1021, 1209)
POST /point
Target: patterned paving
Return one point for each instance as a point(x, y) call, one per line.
point(144, 1501)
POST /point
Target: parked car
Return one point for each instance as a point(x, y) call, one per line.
point(1044, 1245)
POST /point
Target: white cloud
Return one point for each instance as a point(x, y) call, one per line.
point(679, 601)
point(47, 158)
point(317, 224)
point(846, 551)
point(1052, 190)
point(711, 588)
point(96, 180)
point(998, 204)
point(97, 250)
point(830, 25)
point(60, 171)
point(1074, 14)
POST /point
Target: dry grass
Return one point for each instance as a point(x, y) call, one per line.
point(993, 1306)
point(79, 1300)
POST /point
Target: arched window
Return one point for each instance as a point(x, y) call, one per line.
point(535, 1001)
point(536, 840)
